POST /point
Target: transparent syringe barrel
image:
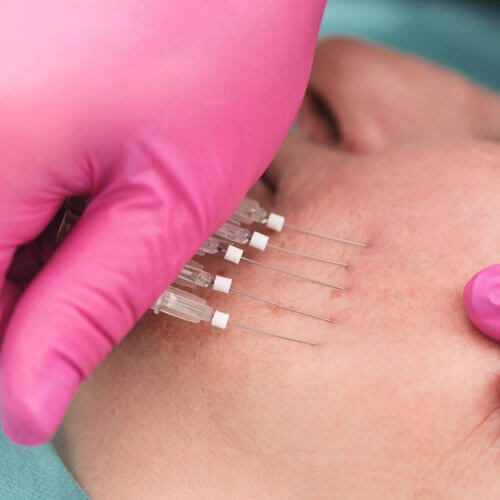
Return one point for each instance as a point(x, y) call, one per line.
point(250, 212)
point(193, 275)
point(234, 233)
point(183, 305)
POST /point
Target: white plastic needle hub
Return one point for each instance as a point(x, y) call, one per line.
point(220, 320)
point(233, 254)
point(259, 241)
point(275, 222)
point(222, 284)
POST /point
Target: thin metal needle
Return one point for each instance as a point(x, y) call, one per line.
point(299, 276)
point(292, 309)
point(326, 236)
point(310, 257)
point(269, 334)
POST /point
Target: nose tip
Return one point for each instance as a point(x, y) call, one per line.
point(482, 301)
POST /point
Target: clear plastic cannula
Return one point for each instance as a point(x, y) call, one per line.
point(193, 274)
point(251, 212)
point(189, 307)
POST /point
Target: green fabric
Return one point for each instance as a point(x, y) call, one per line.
point(460, 34)
point(34, 474)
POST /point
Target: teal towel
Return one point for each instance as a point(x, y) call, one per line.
point(34, 474)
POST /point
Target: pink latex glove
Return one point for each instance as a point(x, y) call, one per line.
point(482, 301)
point(164, 112)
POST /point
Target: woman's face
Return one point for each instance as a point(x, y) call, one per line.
point(399, 396)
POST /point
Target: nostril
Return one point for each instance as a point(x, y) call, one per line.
point(327, 115)
point(344, 127)
point(318, 121)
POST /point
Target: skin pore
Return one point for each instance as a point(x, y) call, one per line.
point(400, 396)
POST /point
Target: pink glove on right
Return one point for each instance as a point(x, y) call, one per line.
point(165, 112)
point(482, 301)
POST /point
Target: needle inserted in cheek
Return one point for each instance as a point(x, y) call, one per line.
point(310, 257)
point(189, 307)
point(251, 212)
point(232, 232)
point(294, 275)
point(281, 306)
point(325, 236)
point(234, 254)
point(193, 275)
point(269, 334)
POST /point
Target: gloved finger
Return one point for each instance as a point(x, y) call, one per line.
point(104, 276)
point(482, 301)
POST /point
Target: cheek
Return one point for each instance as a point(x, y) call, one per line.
point(429, 231)
point(404, 384)
point(401, 321)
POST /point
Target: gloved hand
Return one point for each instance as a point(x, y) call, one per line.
point(482, 301)
point(164, 112)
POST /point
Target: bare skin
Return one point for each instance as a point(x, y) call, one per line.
point(381, 98)
point(398, 399)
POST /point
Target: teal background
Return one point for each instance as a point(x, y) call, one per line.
point(464, 35)
point(460, 34)
point(34, 474)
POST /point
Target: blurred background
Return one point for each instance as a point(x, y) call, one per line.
point(463, 34)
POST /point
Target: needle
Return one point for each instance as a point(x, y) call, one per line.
point(262, 332)
point(299, 276)
point(325, 236)
point(292, 309)
point(310, 257)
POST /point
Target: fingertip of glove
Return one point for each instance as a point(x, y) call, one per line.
point(482, 301)
point(31, 413)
